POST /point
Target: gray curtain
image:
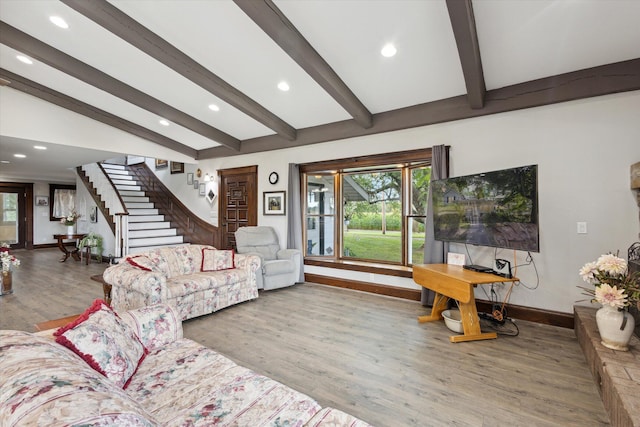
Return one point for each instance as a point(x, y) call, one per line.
point(434, 251)
point(294, 218)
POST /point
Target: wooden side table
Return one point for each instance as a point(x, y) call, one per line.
point(453, 281)
point(74, 252)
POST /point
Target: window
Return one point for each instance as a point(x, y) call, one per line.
point(382, 210)
point(62, 200)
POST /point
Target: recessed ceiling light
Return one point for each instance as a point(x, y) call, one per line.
point(5, 161)
point(388, 50)
point(20, 156)
point(39, 147)
point(214, 107)
point(24, 59)
point(283, 86)
point(164, 122)
point(59, 22)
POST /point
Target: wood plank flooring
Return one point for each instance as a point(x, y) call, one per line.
point(365, 354)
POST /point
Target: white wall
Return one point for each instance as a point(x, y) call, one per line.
point(583, 149)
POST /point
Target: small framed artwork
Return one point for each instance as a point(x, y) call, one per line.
point(202, 189)
point(42, 200)
point(177, 167)
point(274, 202)
point(161, 164)
point(190, 178)
point(93, 214)
point(196, 184)
point(211, 195)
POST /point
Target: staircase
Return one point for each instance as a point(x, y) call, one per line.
point(147, 228)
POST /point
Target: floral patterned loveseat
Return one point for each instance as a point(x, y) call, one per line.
point(195, 279)
point(173, 381)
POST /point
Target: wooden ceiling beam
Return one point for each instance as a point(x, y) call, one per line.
point(603, 80)
point(35, 89)
point(464, 30)
point(273, 22)
point(128, 29)
point(36, 49)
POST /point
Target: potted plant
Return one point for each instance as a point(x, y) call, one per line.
point(616, 289)
point(92, 240)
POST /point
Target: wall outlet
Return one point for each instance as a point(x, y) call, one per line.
point(582, 227)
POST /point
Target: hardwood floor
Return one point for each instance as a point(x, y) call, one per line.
point(363, 353)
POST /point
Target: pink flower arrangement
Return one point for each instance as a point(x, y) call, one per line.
point(614, 285)
point(6, 259)
point(70, 219)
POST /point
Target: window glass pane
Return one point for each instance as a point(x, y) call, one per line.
point(320, 195)
point(373, 216)
point(420, 189)
point(320, 237)
point(415, 240)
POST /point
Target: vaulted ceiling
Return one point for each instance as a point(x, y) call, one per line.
point(130, 64)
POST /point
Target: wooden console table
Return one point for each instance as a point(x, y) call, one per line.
point(453, 281)
point(74, 252)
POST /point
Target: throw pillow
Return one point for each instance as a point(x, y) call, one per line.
point(217, 259)
point(142, 262)
point(105, 342)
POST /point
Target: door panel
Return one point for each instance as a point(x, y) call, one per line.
point(16, 214)
point(238, 207)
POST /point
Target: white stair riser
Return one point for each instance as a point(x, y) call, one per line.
point(148, 225)
point(119, 176)
point(146, 218)
point(139, 205)
point(137, 212)
point(155, 232)
point(132, 193)
point(121, 187)
point(113, 166)
point(135, 199)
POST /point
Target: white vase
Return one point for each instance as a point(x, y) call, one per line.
point(71, 229)
point(610, 320)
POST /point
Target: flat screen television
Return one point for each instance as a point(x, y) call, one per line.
point(496, 209)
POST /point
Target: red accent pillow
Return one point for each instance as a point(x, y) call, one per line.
point(217, 259)
point(142, 262)
point(105, 342)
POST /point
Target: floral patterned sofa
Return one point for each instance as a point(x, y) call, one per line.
point(136, 369)
point(196, 279)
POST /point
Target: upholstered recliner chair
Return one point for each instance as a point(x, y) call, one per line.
point(280, 267)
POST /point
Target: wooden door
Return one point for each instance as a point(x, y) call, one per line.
point(16, 214)
point(239, 202)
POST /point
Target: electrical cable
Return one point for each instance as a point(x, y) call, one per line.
point(531, 262)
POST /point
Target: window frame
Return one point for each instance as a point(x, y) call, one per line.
point(404, 161)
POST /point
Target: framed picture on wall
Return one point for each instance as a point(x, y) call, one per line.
point(274, 202)
point(161, 164)
point(93, 214)
point(177, 167)
point(190, 178)
point(211, 195)
point(202, 188)
point(42, 200)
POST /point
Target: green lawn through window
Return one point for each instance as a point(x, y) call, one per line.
point(373, 245)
